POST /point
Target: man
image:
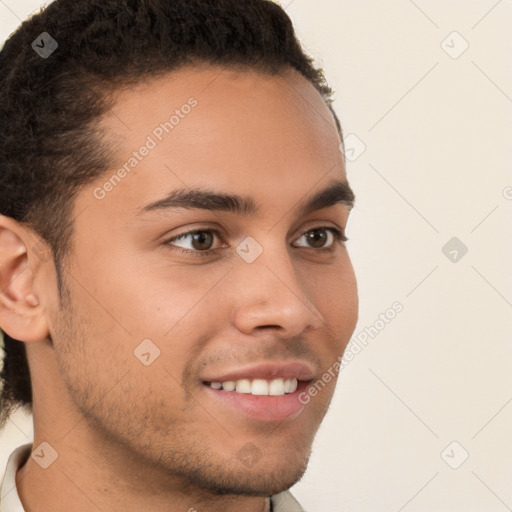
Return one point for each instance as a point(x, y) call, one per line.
point(173, 211)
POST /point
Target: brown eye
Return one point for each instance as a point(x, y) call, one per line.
point(318, 237)
point(200, 241)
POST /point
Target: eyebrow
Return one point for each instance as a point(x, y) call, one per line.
point(337, 192)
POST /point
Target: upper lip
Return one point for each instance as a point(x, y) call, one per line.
point(299, 370)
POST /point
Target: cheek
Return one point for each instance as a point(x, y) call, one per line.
point(334, 293)
point(168, 305)
point(133, 299)
point(140, 310)
point(143, 375)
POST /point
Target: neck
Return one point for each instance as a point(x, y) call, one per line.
point(81, 483)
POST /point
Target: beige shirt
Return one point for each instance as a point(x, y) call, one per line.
point(10, 500)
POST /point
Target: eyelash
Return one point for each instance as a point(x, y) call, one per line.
point(339, 239)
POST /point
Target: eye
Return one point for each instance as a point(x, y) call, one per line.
point(317, 237)
point(201, 240)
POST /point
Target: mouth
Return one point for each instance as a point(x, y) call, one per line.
point(257, 387)
point(266, 392)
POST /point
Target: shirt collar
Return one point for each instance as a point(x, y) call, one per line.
point(9, 497)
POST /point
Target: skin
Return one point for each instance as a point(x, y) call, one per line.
point(130, 436)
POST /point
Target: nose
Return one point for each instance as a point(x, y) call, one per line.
point(270, 293)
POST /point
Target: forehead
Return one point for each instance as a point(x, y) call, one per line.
point(234, 131)
point(226, 102)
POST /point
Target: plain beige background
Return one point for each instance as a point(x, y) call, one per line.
point(422, 413)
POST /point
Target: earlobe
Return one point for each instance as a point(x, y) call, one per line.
point(21, 314)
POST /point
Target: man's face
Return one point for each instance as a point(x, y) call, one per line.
point(151, 322)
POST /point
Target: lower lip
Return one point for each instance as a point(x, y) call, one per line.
point(262, 407)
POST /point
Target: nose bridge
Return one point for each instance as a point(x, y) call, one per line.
point(269, 291)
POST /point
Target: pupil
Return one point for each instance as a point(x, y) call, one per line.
point(200, 237)
point(317, 235)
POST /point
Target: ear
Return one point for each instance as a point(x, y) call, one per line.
point(22, 314)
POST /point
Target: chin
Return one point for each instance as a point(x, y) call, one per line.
point(265, 478)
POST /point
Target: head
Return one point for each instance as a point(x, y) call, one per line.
point(142, 100)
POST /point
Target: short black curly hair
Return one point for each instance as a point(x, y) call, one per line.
point(50, 144)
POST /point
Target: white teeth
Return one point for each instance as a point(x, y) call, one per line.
point(229, 385)
point(258, 387)
point(276, 387)
point(243, 386)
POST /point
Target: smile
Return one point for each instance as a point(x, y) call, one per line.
point(259, 387)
